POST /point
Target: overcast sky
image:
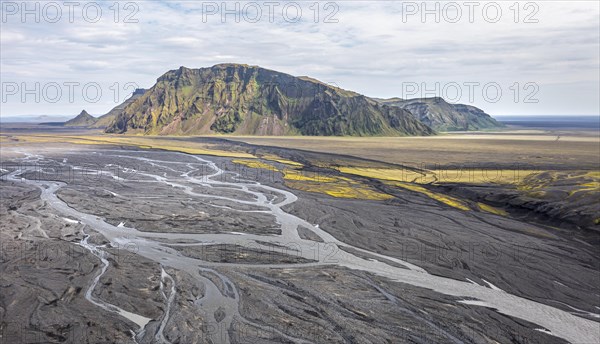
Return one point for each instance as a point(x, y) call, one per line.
point(542, 56)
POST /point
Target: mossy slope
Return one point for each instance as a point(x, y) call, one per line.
point(242, 99)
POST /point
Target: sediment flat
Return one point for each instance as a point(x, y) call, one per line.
point(143, 245)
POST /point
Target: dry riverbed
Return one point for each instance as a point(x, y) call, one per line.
point(111, 243)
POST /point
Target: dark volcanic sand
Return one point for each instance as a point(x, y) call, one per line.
point(253, 289)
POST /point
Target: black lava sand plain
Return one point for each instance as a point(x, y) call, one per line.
point(160, 253)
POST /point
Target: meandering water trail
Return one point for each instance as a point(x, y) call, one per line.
point(560, 323)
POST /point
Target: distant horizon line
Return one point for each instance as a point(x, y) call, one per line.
point(503, 115)
point(592, 119)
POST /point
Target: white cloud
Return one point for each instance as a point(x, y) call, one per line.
point(370, 50)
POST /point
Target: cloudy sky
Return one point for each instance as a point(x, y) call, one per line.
point(533, 58)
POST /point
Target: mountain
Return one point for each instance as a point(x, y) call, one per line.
point(242, 99)
point(84, 119)
point(107, 119)
point(443, 116)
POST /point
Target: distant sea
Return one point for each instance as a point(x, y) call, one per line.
point(34, 118)
point(552, 122)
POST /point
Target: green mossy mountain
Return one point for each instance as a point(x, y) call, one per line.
point(106, 120)
point(443, 116)
point(84, 119)
point(242, 99)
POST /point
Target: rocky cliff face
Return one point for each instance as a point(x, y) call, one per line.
point(106, 120)
point(84, 119)
point(443, 116)
point(242, 99)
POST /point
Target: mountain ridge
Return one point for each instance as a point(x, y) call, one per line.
point(234, 98)
point(443, 116)
point(106, 120)
point(243, 99)
point(84, 119)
